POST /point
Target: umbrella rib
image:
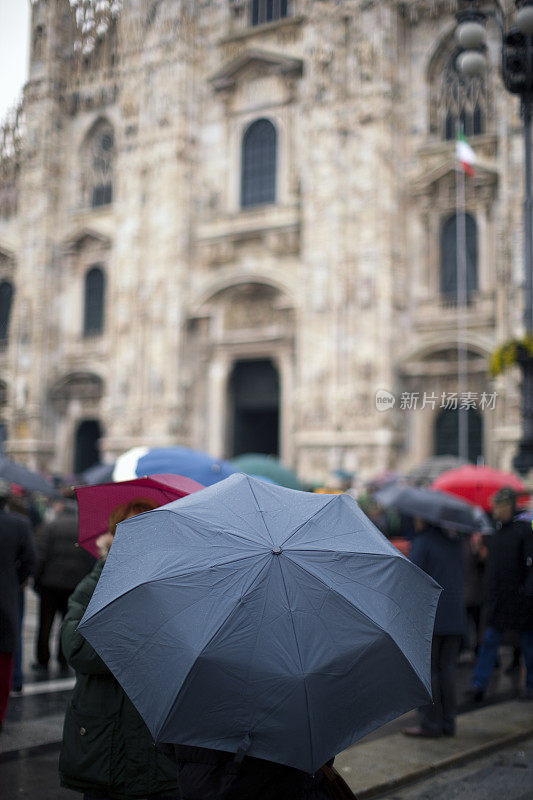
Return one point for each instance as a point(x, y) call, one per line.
point(301, 663)
point(359, 611)
point(148, 581)
point(187, 679)
point(299, 527)
point(191, 517)
point(259, 508)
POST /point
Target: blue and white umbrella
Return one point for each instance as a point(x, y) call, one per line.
point(200, 467)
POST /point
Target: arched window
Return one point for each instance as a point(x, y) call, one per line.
point(462, 102)
point(448, 256)
point(259, 161)
point(94, 302)
point(98, 157)
point(6, 302)
point(267, 11)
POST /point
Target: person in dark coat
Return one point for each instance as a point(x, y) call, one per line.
point(17, 562)
point(107, 751)
point(440, 554)
point(205, 774)
point(509, 593)
point(62, 565)
point(475, 556)
point(21, 502)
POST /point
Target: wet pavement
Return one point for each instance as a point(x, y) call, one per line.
point(30, 740)
point(507, 774)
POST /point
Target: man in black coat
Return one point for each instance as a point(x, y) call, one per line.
point(17, 561)
point(440, 554)
point(62, 565)
point(509, 607)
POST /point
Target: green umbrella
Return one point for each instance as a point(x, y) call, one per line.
point(262, 466)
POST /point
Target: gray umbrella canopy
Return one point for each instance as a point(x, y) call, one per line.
point(12, 472)
point(253, 616)
point(438, 508)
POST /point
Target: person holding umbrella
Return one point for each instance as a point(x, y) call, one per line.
point(509, 592)
point(107, 751)
point(282, 626)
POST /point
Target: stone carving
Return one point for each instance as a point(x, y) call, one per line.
point(77, 386)
point(250, 306)
point(11, 147)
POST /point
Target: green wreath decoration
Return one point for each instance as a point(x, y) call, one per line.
point(510, 353)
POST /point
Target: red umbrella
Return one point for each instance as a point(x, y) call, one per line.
point(479, 484)
point(96, 503)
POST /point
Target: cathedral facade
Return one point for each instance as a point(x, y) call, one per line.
point(233, 225)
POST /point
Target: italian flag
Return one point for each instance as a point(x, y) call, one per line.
point(465, 155)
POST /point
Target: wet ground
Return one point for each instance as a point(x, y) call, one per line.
point(507, 774)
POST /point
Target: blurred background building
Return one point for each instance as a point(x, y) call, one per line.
point(229, 223)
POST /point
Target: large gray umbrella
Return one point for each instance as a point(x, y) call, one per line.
point(438, 508)
point(252, 616)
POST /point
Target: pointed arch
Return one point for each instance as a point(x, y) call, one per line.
point(98, 157)
point(457, 103)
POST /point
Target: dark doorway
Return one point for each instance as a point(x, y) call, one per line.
point(86, 447)
point(447, 434)
point(254, 408)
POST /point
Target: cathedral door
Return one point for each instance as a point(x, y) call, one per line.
point(447, 434)
point(253, 405)
point(86, 447)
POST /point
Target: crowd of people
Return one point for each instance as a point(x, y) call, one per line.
point(107, 750)
point(487, 599)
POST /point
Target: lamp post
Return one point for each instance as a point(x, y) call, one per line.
point(517, 74)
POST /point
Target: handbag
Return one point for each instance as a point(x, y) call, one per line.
point(338, 787)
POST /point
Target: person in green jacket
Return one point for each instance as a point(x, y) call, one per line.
point(107, 751)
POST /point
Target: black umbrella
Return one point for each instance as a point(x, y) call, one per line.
point(430, 469)
point(32, 481)
point(435, 507)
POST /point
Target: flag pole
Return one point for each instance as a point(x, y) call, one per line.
point(462, 300)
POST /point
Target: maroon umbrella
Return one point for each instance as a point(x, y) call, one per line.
point(96, 503)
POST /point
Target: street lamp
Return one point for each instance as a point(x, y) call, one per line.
point(517, 74)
